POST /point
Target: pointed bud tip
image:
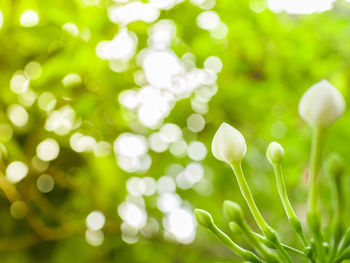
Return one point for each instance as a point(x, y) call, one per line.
point(275, 153)
point(321, 104)
point(203, 218)
point(233, 211)
point(228, 144)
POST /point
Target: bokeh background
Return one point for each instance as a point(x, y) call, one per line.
point(108, 109)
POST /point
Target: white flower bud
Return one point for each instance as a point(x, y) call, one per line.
point(228, 144)
point(321, 104)
point(275, 153)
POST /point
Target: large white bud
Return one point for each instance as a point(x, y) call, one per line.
point(228, 144)
point(321, 104)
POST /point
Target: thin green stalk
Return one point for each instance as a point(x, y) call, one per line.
point(244, 254)
point(337, 207)
point(255, 242)
point(288, 248)
point(293, 219)
point(313, 217)
point(265, 228)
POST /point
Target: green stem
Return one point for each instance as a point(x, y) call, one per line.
point(244, 254)
point(313, 217)
point(315, 161)
point(265, 228)
point(255, 242)
point(337, 207)
point(270, 245)
point(293, 219)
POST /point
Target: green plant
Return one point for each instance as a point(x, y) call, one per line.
point(320, 106)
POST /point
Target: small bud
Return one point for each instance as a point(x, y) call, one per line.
point(235, 228)
point(233, 211)
point(203, 217)
point(275, 153)
point(335, 164)
point(321, 104)
point(228, 144)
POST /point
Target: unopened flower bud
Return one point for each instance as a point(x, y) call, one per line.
point(203, 217)
point(275, 153)
point(335, 164)
point(233, 211)
point(321, 104)
point(228, 144)
point(235, 228)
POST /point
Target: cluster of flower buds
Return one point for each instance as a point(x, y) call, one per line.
point(320, 106)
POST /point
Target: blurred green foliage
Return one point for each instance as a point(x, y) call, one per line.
point(268, 59)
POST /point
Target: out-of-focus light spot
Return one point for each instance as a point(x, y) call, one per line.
point(164, 4)
point(220, 32)
point(174, 169)
point(137, 186)
point(204, 4)
point(166, 184)
point(134, 11)
point(19, 83)
point(132, 214)
point(121, 1)
point(299, 6)
point(151, 228)
point(18, 209)
point(128, 98)
point(129, 144)
point(130, 239)
point(17, 115)
point(71, 79)
point(178, 148)
point(119, 65)
point(85, 34)
point(81, 143)
point(29, 18)
point(71, 28)
point(199, 106)
point(27, 98)
point(6, 132)
point(95, 220)
point(257, 6)
point(16, 171)
point(135, 164)
point(180, 223)
point(204, 187)
point(157, 142)
point(213, 63)
point(128, 230)
point(48, 150)
point(121, 47)
point(195, 122)
point(171, 132)
point(62, 121)
point(278, 130)
point(196, 151)
point(91, 2)
point(102, 149)
point(208, 20)
point(1, 19)
point(33, 70)
point(45, 183)
point(162, 33)
point(94, 238)
point(192, 174)
point(47, 101)
point(160, 67)
point(168, 201)
point(39, 164)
